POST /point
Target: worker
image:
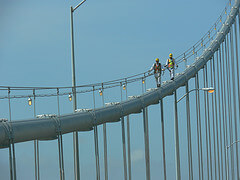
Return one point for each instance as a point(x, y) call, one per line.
point(157, 67)
point(171, 64)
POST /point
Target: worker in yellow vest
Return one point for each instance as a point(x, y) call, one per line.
point(171, 64)
point(157, 68)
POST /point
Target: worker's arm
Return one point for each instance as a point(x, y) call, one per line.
point(166, 65)
point(175, 63)
point(151, 68)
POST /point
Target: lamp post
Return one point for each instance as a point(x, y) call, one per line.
point(178, 171)
point(227, 147)
point(75, 134)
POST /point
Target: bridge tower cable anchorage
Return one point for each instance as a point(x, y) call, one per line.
point(213, 120)
point(95, 132)
point(60, 142)
point(199, 133)
point(123, 138)
point(12, 157)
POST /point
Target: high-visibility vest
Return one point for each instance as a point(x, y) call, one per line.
point(171, 63)
point(157, 68)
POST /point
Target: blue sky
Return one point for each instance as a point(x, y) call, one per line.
point(113, 39)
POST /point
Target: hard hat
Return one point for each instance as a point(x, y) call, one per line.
point(170, 55)
point(157, 59)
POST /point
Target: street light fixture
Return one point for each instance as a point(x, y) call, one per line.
point(29, 101)
point(209, 90)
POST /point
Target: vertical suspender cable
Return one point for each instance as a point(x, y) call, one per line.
point(209, 123)
point(237, 65)
point(234, 99)
point(221, 53)
point(199, 131)
point(225, 102)
point(163, 139)
point(105, 142)
point(189, 136)
point(123, 140)
point(230, 107)
point(223, 109)
point(206, 124)
point(146, 141)
point(36, 143)
point(11, 145)
point(177, 152)
point(213, 118)
point(216, 114)
point(95, 129)
point(128, 140)
point(60, 145)
point(219, 108)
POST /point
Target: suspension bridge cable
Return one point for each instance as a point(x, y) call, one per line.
point(219, 108)
point(105, 141)
point(223, 104)
point(209, 123)
point(230, 107)
point(216, 113)
point(199, 131)
point(163, 140)
point(189, 136)
point(225, 101)
point(123, 139)
point(213, 118)
point(125, 87)
point(206, 126)
point(234, 99)
point(60, 145)
point(95, 131)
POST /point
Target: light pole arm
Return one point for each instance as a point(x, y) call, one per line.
point(233, 144)
point(203, 89)
point(73, 9)
point(187, 94)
